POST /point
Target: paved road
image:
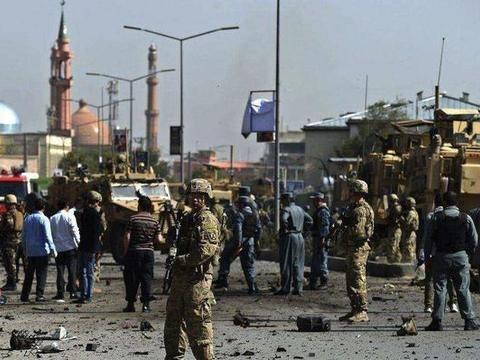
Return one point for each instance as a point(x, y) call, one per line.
point(118, 334)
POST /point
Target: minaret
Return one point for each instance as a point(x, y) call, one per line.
point(61, 82)
point(152, 104)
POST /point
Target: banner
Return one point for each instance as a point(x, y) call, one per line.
point(259, 116)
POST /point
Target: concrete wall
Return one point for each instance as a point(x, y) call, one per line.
point(321, 144)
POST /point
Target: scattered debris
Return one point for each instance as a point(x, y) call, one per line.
point(146, 336)
point(108, 282)
point(3, 299)
point(411, 344)
point(409, 327)
point(140, 353)
point(91, 347)
point(382, 299)
point(248, 353)
point(145, 325)
point(317, 323)
point(51, 348)
point(281, 349)
point(22, 340)
point(9, 317)
point(240, 320)
point(311, 354)
point(388, 286)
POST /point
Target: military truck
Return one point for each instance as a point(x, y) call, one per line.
point(120, 200)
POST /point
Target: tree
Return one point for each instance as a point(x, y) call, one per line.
point(373, 128)
point(80, 156)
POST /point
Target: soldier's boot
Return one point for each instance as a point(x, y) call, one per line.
point(346, 316)
point(435, 325)
point(359, 316)
point(10, 286)
point(129, 308)
point(221, 283)
point(470, 324)
point(146, 307)
point(252, 288)
point(323, 282)
point(312, 285)
point(203, 352)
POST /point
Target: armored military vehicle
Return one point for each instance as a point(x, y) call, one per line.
point(119, 201)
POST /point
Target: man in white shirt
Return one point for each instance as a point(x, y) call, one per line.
point(66, 237)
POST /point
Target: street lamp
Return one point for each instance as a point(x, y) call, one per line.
point(130, 81)
point(98, 108)
point(181, 40)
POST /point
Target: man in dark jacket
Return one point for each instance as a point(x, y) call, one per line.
point(452, 238)
point(320, 230)
point(92, 227)
point(293, 221)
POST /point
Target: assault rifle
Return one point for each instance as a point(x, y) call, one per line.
point(172, 239)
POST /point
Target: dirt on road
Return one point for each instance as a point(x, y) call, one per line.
point(273, 334)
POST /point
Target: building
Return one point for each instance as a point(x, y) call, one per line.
point(89, 132)
point(292, 160)
point(37, 152)
point(9, 121)
point(61, 80)
point(152, 103)
point(324, 138)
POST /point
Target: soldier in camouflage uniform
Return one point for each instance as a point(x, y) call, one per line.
point(11, 227)
point(188, 307)
point(359, 226)
point(410, 225)
point(394, 229)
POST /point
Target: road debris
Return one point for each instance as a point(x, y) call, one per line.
point(22, 340)
point(145, 325)
point(409, 327)
point(51, 348)
point(91, 347)
point(313, 323)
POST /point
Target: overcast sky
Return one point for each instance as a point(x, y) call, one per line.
point(327, 48)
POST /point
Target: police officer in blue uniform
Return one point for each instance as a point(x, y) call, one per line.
point(293, 221)
point(246, 231)
point(320, 230)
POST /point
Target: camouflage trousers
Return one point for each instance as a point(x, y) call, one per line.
point(356, 277)
point(393, 247)
point(9, 254)
point(408, 247)
point(189, 319)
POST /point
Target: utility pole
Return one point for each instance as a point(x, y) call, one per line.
point(277, 124)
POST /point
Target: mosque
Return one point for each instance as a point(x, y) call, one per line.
point(41, 152)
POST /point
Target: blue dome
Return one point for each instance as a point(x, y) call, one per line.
point(9, 121)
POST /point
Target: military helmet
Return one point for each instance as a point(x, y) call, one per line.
point(359, 186)
point(200, 186)
point(122, 158)
point(393, 197)
point(411, 202)
point(10, 199)
point(94, 196)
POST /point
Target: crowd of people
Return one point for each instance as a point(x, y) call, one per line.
point(209, 235)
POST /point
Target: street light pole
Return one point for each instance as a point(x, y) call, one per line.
point(181, 40)
point(277, 124)
point(130, 81)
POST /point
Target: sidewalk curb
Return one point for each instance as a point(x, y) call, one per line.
point(374, 268)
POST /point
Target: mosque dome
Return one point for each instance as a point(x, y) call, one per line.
point(9, 121)
point(85, 126)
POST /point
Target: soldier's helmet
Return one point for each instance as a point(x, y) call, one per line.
point(359, 186)
point(393, 197)
point(94, 196)
point(200, 186)
point(244, 201)
point(411, 202)
point(122, 158)
point(10, 199)
point(141, 164)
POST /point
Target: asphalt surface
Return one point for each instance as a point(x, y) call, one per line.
point(273, 333)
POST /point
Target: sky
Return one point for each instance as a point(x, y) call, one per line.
point(327, 49)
